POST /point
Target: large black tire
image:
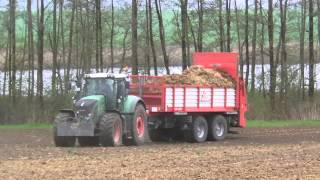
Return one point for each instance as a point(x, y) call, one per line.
point(88, 141)
point(198, 130)
point(139, 127)
point(62, 141)
point(110, 130)
point(218, 128)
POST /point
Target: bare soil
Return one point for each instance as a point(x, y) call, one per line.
point(255, 153)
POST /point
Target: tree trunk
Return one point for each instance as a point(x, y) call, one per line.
point(13, 48)
point(254, 40)
point(284, 68)
point(262, 51)
point(70, 42)
point(273, 75)
point(5, 70)
point(154, 55)
point(221, 29)
point(302, 44)
point(40, 55)
point(162, 36)
point(134, 46)
point(147, 53)
point(239, 38)
point(247, 42)
point(184, 33)
point(97, 18)
point(200, 28)
point(30, 52)
point(228, 19)
point(111, 36)
point(284, 78)
point(311, 52)
point(54, 49)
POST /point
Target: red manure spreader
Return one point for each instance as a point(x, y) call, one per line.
point(196, 112)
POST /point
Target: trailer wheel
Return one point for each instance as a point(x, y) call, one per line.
point(62, 141)
point(110, 133)
point(88, 141)
point(139, 127)
point(198, 130)
point(218, 128)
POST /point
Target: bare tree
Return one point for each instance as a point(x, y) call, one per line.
point(54, 48)
point(147, 52)
point(273, 75)
point(254, 45)
point(70, 41)
point(200, 27)
point(162, 36)
point(154, 55)
point(302, 44)
point(239, 38)
point(311, 51)
point(12, 5)
point(284, 68)
point(228, 19)
point(40, 54)
point(30, 51)
point(112, 35)
point(134, 47)
point(184, 33)
point(262, 50)
point(221, 29)
point(247, 41)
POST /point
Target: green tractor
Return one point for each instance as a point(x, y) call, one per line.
point(103, 114)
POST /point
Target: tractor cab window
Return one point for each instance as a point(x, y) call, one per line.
point(99, 86)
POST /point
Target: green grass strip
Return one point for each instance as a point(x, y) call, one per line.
point(282, 123)
point(27, 126)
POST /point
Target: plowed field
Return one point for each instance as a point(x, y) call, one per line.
point(255, 153)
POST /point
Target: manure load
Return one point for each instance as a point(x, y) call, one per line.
point(198, 75)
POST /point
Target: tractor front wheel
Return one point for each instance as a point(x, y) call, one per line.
point(139, 126)
point(110, 130)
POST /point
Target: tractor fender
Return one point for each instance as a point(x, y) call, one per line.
point(131, 102)
point(69, 111)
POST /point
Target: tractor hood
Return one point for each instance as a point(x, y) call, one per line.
point(90, 107)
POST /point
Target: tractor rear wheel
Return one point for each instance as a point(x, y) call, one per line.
point(198, 130)
point(62, 141)
point(110, 130)
point(218, 128)
point(88, 141)
point(139, 127)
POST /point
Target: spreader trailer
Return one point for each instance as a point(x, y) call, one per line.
point(196, 112)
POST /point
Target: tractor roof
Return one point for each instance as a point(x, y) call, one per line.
point(105, 75)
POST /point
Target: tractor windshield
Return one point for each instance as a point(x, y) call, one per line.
point(98, 86)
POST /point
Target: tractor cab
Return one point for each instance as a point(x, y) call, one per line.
point(113, 87)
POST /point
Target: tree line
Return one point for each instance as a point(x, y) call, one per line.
point(104, 34)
